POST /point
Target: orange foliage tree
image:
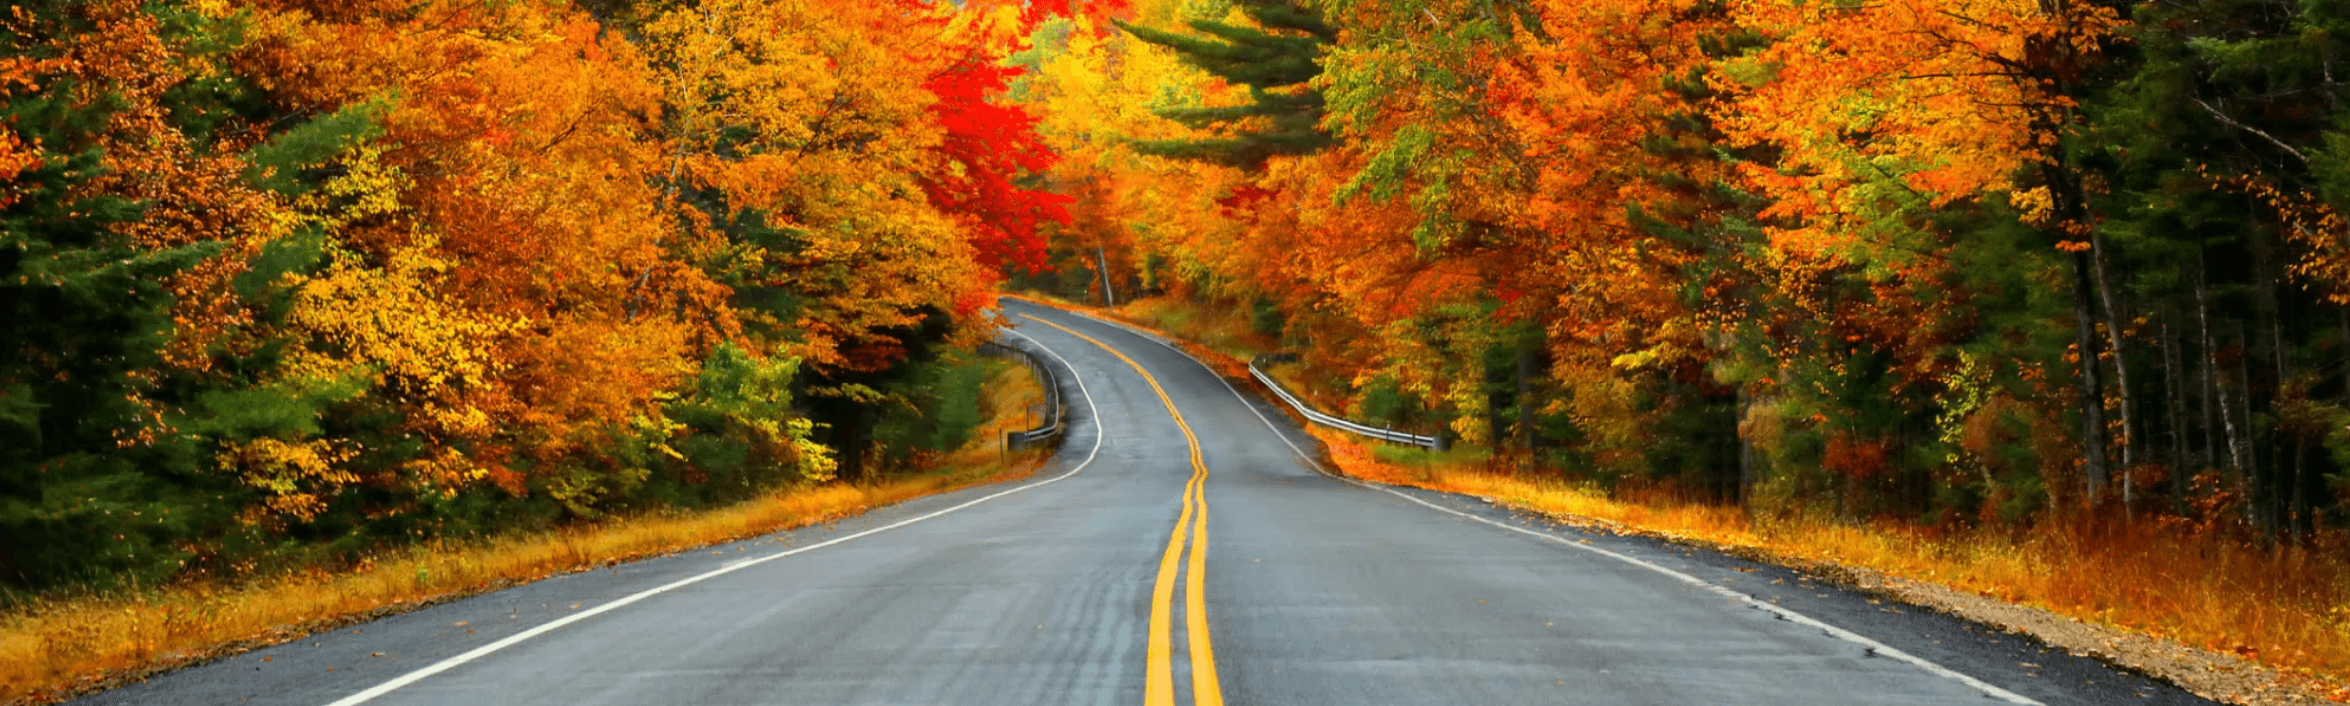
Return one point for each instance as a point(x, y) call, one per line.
point(434, 265)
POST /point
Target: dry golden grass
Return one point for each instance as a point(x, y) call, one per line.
point(1012, 400)
point(1218, 327)
point(57, 648)
point(2287, 609)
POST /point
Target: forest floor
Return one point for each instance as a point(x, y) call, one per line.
point(2223, 618)
point(56, 648)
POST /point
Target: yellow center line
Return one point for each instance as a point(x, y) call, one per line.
point(1159, 673)
point(1206, 690)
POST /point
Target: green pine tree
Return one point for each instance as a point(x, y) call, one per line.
point(85, 312)
point(107, 474)
point(1275, 59)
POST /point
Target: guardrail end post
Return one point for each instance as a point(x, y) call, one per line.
point(1052, 412)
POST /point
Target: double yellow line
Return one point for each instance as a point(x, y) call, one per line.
point(1159, 676)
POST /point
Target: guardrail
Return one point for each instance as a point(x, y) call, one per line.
point(1052, 395)
point(1254, 369)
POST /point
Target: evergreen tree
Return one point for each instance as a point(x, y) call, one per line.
point(86, 314)
point(2222, 100)
point(1275, 59)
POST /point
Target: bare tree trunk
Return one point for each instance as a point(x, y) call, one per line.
point(2207, 393)
point(2267, 341)
point(2282, 470)
point(1102, 262)
point(2219, 391)
point(2254, 510)
point(2092, 387)
point(2121, 366)
point(2173, 387)
point(2273, 488)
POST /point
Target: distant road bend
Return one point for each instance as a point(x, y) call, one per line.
point(1097, 582)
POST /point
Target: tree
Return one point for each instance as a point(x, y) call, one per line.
point(1276, 59)
point(1947, 101)
point(95, 487)
point(990, 149)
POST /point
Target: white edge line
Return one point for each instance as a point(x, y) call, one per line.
point(551, 626)
point(1783, 613)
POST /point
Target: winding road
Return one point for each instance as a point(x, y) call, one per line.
point(1179, 549)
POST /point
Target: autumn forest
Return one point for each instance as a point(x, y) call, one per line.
point(291, 281)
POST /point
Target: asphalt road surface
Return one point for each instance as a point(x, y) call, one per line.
point(1099, 582)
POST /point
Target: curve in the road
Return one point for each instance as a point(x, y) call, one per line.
point(1325, 595)
point(1159, 677)
point(372, 693)
point(1873, 646)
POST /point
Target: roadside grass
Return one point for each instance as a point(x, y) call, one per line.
point(1221, 327)
point(1011, 400)
point(56, 648)
point(2289, 609)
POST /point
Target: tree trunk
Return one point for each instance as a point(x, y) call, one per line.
point(2092, 388)
point(1745, 447)
point(2121, 366)
point(2218, 401)
point(2267, 341)
point(2300, 525)
point(849, 440)
point(1101, 263)
point(2253, 511)
point(2207, 398)
point(1525, 381)
point(2286, 471)
point(2054, 61)
point(2173, 387)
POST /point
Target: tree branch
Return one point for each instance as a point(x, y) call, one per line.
point(2272, 139)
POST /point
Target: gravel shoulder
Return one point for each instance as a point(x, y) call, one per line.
point(2217, 676)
